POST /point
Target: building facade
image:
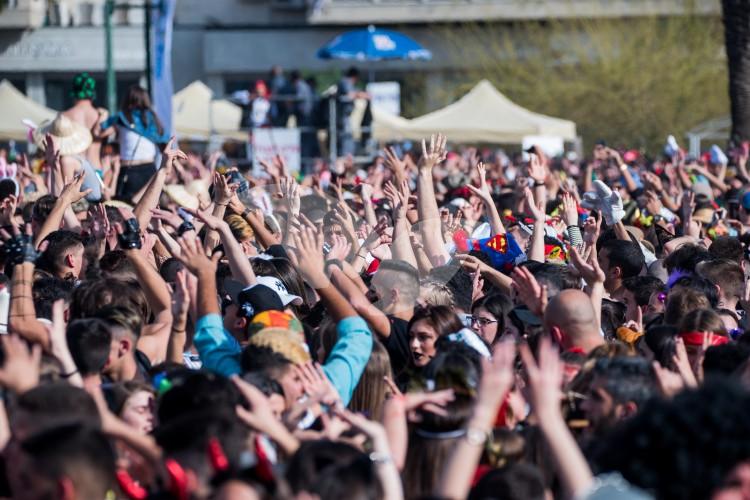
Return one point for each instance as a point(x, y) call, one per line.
point(229, 43)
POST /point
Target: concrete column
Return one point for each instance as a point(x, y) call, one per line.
point(434, 84)
point(35, 88)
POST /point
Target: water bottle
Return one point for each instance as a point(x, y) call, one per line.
point(4, 308)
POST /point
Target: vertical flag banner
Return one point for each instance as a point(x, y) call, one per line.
point(161, 72)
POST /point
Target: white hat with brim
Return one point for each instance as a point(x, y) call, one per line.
point(70, 137)
point(178, 194)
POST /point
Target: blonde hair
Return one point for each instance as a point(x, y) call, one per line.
point(283, 341)
point(241, 230)
point(434, 293)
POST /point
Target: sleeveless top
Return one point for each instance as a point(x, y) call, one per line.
point(135, 147)
point(90, 179)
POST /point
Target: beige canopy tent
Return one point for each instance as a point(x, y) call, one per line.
point(482, 115)
point(196, 115)
point(17, 109)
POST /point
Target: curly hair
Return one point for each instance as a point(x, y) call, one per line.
point(682, 448)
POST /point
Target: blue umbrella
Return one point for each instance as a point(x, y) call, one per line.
point(373, 44)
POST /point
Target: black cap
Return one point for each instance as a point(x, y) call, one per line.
point(258, 298)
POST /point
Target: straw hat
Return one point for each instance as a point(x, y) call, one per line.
point(70, 137)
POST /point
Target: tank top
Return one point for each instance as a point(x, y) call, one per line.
point(134, 147)
point(90, 180)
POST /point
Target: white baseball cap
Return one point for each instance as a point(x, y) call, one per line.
point(278, 286)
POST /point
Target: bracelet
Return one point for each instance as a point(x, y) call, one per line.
point(379, 458)
point(623, 167)
point(538, 184)
point(221, 204)
point(177, 331)
point(477, 437)
point(246, 212)
point(68, 375)
point(361, 256)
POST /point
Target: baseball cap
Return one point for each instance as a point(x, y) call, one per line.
point(257, 296)
point(253, 299)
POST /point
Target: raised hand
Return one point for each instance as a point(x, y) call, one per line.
point(570, 209)
point(100, 226)
point(653, 203)
point(316, 384)
point(436, 152)
point(223, 189)
point(537, 170)
point(8, 210)
point(529, 290)
point(260, 413)
point(72, 193)
point(211, 221)
point(289, 192)
point(19, 247)
point(394, 163)
point(545, 378)
point(20, 372)
point(51, 153)
point(589, 268)
point(170, 218)
point(170, 155)
point(483, 191)
point(180, 297)
point(592, 227)
point(193, 257)
point(340, 249)
point(307, 257)
point(535, 209)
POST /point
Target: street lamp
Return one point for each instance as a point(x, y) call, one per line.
point(109, 9)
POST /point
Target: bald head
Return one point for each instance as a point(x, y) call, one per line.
point(570, 316)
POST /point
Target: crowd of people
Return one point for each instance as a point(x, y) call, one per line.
point(445, 322)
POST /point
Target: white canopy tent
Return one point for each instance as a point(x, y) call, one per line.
point(482, 115)
point(17, 109)
point(718, 129)
point(196, 115)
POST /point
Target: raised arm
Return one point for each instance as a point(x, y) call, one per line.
point(154, 338)
point(223, 192)
point(374, 316)
point(497, 378)
point(536, 250)
point(150, 198)
point(238, 261)
point(22, 313)
point(350, 354)
point(401, 244)
point(545, 379)
point(70, 194)
point(427, 205)
point(483, 192)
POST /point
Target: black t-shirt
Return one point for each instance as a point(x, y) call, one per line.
point(397, 345)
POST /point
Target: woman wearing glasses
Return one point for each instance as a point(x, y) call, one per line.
point(489, 317)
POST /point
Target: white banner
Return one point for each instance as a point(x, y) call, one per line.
point(385, 96)
point(161, 71)
point(269, 142)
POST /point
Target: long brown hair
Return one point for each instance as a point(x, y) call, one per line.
point(370, 393)
point(137, 100)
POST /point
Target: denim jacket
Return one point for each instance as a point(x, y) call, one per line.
point(149, 130)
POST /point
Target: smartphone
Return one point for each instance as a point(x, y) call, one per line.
point(236, 177)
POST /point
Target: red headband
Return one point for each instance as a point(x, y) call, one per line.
point(698, 338)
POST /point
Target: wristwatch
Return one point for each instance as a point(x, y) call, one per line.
point(477, 437)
